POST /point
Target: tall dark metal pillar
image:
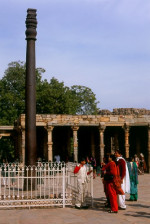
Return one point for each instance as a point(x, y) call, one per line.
point(30, 101)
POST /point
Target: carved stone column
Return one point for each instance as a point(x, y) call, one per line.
point(101, 132)
point(30, 90)
point(49, 142)
point(126, 129)
point(148, 148)
point(92, 144)
point(75, 142)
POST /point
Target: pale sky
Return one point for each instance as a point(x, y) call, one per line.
point(101, 44)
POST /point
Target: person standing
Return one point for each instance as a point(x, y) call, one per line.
point(110, 172)
point(142, 164)
point(57, 158)
point(93, 163)
point(136, 159)
point(103, 166)
point(82, 180)
point(133, 173)
point(124, 175)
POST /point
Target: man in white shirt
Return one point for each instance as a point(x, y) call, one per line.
point(82, 180)
point(124, 175)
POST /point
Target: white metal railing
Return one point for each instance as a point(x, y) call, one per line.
point(47, 184)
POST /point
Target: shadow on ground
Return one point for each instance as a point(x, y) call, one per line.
point(139, 205)
point(98, 204)
point(139, 214)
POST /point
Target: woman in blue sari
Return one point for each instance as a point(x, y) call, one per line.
point(133, 173)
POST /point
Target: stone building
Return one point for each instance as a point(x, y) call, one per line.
point(73, 136)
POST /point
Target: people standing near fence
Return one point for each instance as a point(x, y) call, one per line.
point(136, 159)
point(133, 173)
point(112, 183)
point(98, 169)
point(103, 165)
point(142, 164)
point(124, 175)
point(82, 180)
point(57, 158)
point(88, 161)
point(93, 164)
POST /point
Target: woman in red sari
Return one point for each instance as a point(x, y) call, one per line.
point(113, 184)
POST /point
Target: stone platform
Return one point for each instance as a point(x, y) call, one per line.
point(136, 212)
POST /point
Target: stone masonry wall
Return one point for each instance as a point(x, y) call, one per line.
point(125, 111)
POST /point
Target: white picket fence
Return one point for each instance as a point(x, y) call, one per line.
point(47, 184)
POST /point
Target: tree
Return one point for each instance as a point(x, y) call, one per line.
point(12, 101)
point(12, 92)
point(86, 99)
point(53, 97)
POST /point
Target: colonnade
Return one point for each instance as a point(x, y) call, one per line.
point(75, 129)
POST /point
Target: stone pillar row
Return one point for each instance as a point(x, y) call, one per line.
point(101, 132)
point(126, 129)
point(75, 142)
point(50, 143)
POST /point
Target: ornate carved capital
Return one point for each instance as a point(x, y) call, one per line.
point(102, 127)
point(126, 127)
point(31, 24)
point(75, 128)
point(49, 128)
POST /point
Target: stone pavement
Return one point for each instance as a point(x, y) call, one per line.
point(136, 212)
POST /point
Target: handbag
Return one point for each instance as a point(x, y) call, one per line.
point(108, 177)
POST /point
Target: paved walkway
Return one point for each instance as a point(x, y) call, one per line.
point(136, 212)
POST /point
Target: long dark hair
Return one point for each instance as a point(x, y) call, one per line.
point(109, 155)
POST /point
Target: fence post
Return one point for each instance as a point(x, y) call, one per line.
point(0, 181)
point(92, 187)
point(63, 169)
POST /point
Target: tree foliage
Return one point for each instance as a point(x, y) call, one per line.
point(53, 97)
point(86, 99)
point(12, 91)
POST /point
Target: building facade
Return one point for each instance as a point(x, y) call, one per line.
point(75, 136)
